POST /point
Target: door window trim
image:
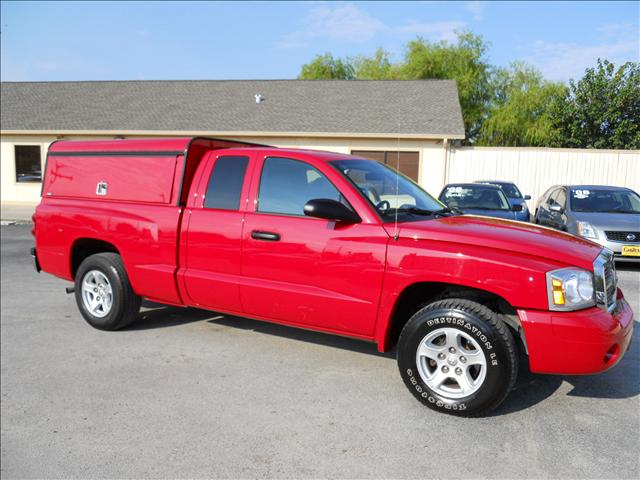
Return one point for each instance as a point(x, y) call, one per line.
point(207, 181)
point(280, 214)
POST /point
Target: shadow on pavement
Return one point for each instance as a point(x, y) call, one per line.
point(623, 381)
point(298, 334)
point(155, 315)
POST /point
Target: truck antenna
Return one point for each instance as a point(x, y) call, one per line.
point(396, 234)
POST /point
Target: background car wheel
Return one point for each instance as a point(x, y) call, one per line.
point(458, 357)
point(103, 292)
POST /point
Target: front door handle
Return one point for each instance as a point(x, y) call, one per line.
point(266, 236)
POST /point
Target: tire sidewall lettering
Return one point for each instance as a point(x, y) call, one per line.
point(481, 331)
point(478, 334)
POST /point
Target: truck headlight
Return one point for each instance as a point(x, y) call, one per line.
point(570, 289)
point(586, 230)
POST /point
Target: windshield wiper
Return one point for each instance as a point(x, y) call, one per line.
point(422, 211)
point(452, 210)
point(417, 211)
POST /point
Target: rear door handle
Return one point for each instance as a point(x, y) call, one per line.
point(266, 236)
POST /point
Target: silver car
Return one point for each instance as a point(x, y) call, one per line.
point(609, 216)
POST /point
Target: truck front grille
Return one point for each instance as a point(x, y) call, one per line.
point(605, 278)
point(627, 237)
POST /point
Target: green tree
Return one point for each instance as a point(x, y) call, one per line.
point(602, 109)
point(378, 67)
point(465, 62)
point(520, 113)
point(326, 67)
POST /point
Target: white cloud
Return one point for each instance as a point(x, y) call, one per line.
point(476, 9)
point(344, 23)
point(349, 23)
point(617, 30)
point(617, 42)
point(562, 61)
point(438, 30)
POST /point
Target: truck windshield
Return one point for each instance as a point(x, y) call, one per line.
point(604, 201)
point(389, 192)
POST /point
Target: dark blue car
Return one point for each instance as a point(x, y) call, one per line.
point(479, 199)
point(514, 196)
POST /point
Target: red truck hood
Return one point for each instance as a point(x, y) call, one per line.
point(526, 238)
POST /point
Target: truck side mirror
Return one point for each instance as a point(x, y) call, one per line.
point(330, 210)
point(517, 208)
point(527, 197)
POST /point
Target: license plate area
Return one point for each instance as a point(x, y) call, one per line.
point(631, 250)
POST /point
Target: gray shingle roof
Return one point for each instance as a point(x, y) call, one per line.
point(420, 107)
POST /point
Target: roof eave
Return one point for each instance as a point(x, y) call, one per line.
point(414, 136)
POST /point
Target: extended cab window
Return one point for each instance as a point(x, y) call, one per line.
point(225, 184)
point(287, 185)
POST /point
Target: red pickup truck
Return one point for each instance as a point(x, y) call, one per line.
point(328, 242)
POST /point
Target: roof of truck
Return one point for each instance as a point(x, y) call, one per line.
point(410, 108)
point(167, 145)
point(171, 146)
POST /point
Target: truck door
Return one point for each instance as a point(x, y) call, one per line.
point(308, 271)
point(212, 237)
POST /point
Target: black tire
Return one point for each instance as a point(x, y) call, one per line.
point(125, 303)
point(492, 336)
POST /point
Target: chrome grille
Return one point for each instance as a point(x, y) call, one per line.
point(628, 237)
point(605, 279)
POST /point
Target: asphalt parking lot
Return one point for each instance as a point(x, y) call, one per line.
point(187, 393)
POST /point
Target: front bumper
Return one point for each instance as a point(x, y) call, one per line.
point(577, 343)
point(615, 247)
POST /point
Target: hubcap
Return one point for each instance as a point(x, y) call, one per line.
point(97, 295)
point(451, 363)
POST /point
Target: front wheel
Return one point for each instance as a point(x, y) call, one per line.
point(103, 292)
point(458, 357)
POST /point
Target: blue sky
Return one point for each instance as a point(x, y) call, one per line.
point(262, 40)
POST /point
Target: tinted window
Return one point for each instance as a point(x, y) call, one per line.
point(287, 185)
point(552, 196)
point(28, 163)
point(511, 190)
point(584, 199)
point(225, 184)
point(388, 192)
point(474, 197)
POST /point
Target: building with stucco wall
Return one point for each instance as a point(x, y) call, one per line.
point(406, 123)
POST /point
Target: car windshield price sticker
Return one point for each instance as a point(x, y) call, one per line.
point(581, 193)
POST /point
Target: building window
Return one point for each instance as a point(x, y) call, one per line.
point(409, 162)
point(28, 163)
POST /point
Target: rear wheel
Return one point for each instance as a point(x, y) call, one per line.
point(103, 292)
point(458, 357)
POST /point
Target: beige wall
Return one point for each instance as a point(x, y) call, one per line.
point(534, 170)
point(430, 173)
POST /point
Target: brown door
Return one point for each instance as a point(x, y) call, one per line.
point(408, 162)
